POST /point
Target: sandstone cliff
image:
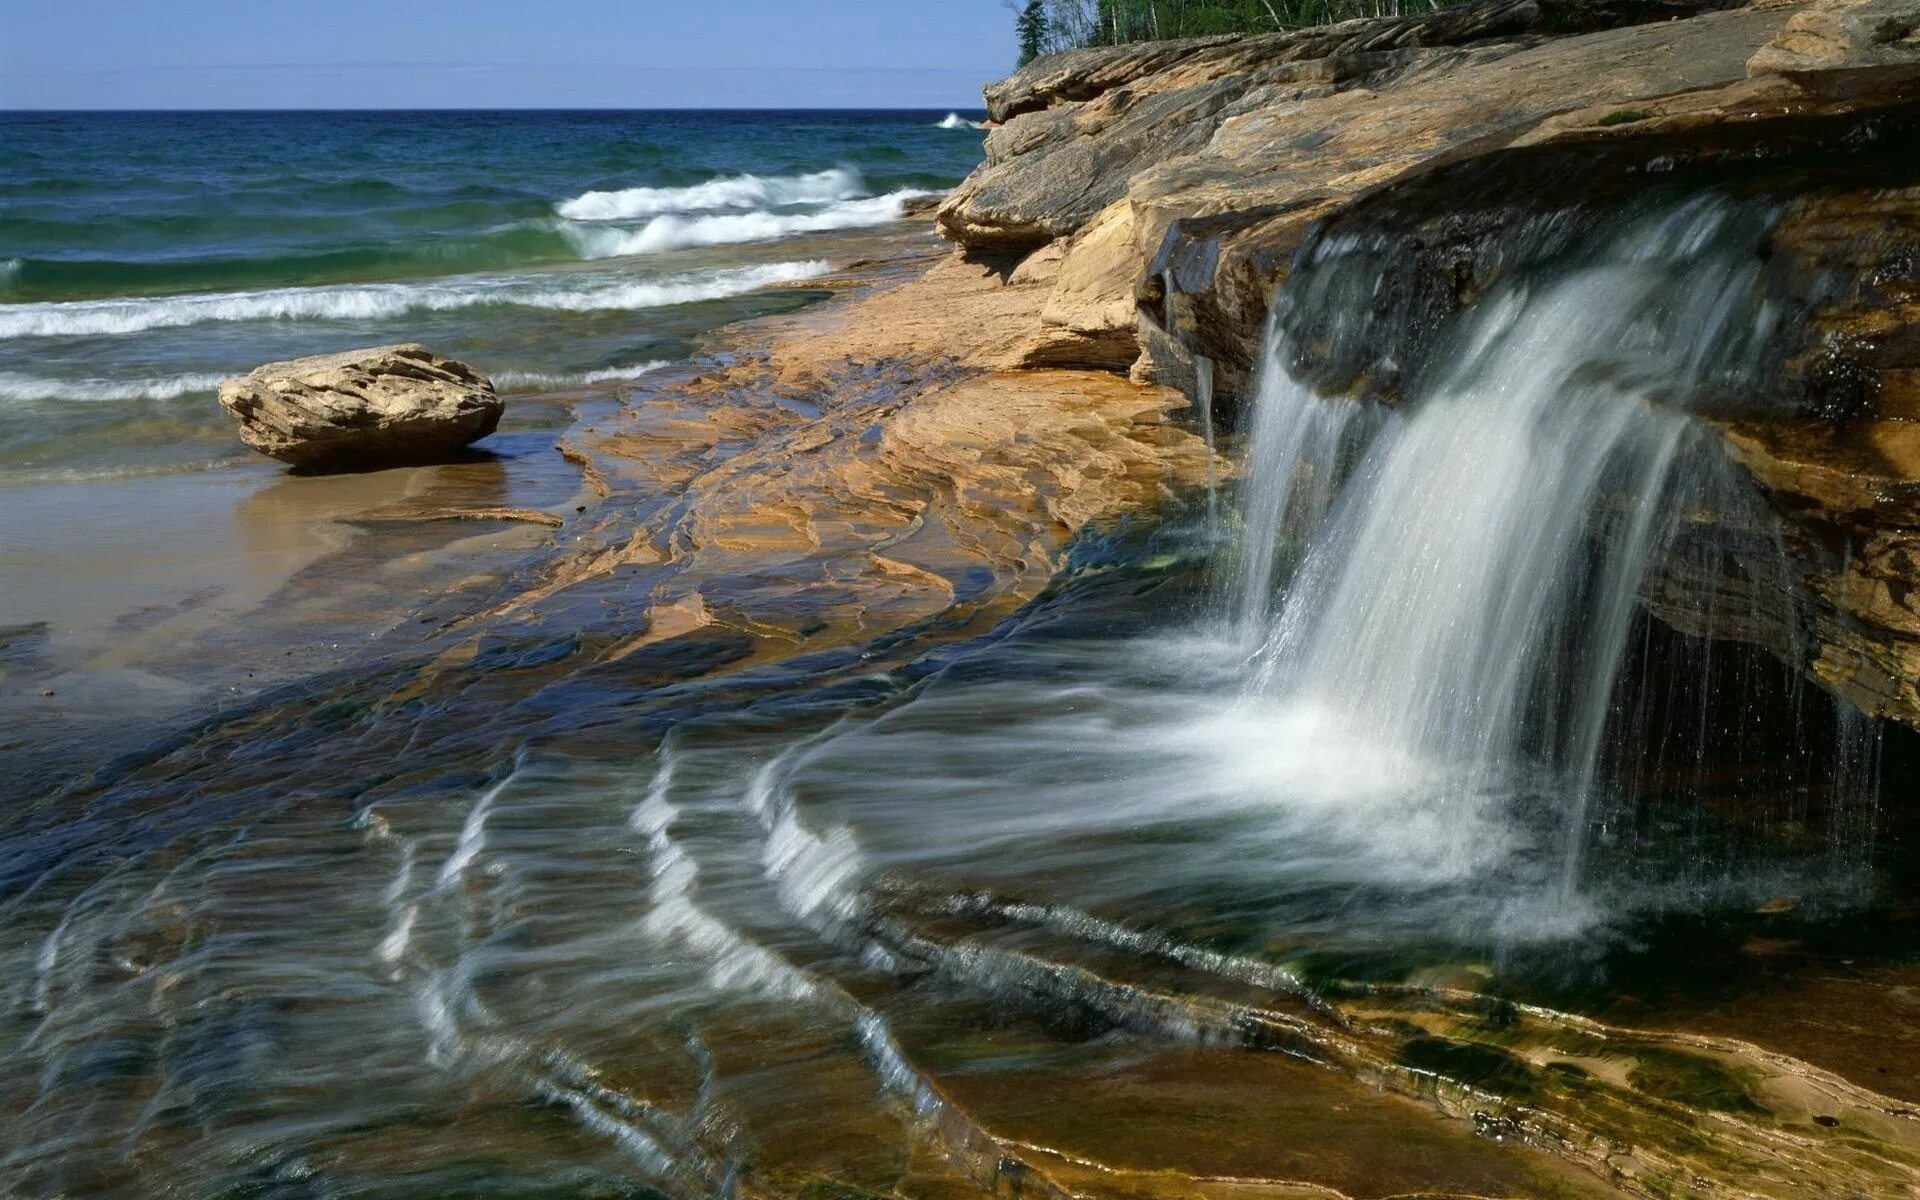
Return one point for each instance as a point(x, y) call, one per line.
point(1162, 191)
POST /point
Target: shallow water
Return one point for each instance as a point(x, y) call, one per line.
point(546, 927)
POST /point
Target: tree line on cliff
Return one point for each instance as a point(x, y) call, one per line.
point(1046, 26)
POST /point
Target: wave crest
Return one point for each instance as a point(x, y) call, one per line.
point(954, 120)
point(734, 191)
point(27, 388)
point(79, 318)
point(534, 380)
point(674, 232)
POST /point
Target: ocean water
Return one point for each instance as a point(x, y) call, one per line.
point(143, 256)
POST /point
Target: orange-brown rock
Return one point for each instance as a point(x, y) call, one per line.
point(877, 462)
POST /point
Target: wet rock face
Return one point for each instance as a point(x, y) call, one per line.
point(1843, 467)
point(363, 408)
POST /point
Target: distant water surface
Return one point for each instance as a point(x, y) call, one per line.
point(143, 256)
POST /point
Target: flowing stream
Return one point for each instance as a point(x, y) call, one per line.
point(874, 919)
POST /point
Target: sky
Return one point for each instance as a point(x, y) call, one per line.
point(501, 53)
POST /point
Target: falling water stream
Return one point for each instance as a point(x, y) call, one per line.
point(877, 919)
point(1476, 578)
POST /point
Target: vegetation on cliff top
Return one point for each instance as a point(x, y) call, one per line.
point(1046, 26)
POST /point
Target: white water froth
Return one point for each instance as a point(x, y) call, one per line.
point(954, 120)
point(1471, 589)
point(675, 918)
point(27, 388)
point(815, 873)
point(66, 475)
point(734, 191)
point(565, 293)
point(531, 380)
point(624, 1134)
point(671, 231)
point(393, 947)
point(473, 835)
point(890, 1066)
point(1072, 922)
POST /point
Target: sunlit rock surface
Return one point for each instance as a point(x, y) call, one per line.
point(877, 465)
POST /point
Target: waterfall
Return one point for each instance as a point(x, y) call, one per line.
point(1203, 402)
point(1295, 456)
point(1461, 606)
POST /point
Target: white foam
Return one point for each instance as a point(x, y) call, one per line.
point(623, 1134)
point(813, 873)
point(17, 387)
point(735, 191)
point(45, 962)
point(675, 232)
point(954, 120)
point(394, 946)
point(473, 835)
point(60, 475)
point(890, 1065)
point(734, 962)
point(655, 813)
point(578, 293)
point(552, 379)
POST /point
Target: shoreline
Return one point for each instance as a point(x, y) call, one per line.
point(250, 577)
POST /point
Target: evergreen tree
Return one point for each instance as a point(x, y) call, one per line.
point(1031, 25)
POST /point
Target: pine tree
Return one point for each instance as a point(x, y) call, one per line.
point(1031, 25)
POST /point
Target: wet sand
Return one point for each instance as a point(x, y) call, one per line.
point(130, 603)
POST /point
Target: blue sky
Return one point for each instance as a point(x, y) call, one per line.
point(500, 53)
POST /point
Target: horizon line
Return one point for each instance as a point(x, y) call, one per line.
point(706, 108)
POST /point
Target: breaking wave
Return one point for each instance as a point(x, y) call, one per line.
point(386, 300)
point(675, 232)
point(533, 380)
point(731, 192)
point(25, 388)
point(954, 120)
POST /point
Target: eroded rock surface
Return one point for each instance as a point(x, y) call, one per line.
point(873, 463)
point(360, 408)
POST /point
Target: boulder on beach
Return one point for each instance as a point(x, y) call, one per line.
point(363, 408)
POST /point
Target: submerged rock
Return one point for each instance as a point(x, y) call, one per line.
point(361, 408)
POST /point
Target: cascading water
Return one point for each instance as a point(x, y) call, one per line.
point(1295, 458)
point(1463, 610)
point(1203, 401)
point(733, 923)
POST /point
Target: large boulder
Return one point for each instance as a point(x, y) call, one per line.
point(363, 408)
